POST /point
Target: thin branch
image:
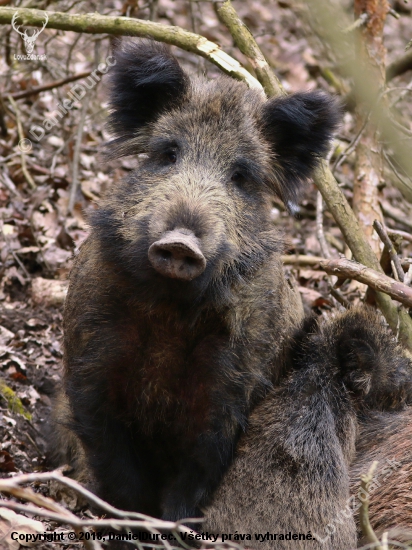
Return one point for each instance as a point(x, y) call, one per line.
point(395, 214)
point(51, 85)
point(399, 233)
point(22, 141)
point(303, 260)
point(93, 23)
point(399, 66)
point(384, 237)
point(351, 147)
point(366, 527)
point(378, 281)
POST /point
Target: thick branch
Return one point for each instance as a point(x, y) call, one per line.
point(93, 23)
point(247, 45)
point(374, 279)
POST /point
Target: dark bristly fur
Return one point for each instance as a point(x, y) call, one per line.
point(293, 466)
point(289, 125)
point(161, 374)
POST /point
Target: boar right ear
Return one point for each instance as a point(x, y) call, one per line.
point(299, 129)
point(145, 81)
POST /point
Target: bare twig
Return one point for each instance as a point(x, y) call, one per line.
point(351, 147)
point(314, 261)
point(366, 527)
point(395, 214)
point(51, 85)
point(401, 182)
point(397, 233)
point(302, 260)
point(26, 173)
point(47, 508)
point(359, 22)
point(380, 230)
point(378, 281)
point(399, 66)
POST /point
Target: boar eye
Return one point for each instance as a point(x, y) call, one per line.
point(238, 178)
point(171, 156)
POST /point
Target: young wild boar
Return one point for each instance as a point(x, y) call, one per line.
point(290, 479)
point(178, 305)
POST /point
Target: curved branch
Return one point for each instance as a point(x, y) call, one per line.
point(247, 45)
point(378, 281)
point(93, 23)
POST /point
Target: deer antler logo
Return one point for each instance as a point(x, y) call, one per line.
point(28, 40)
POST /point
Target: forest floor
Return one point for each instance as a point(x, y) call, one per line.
point(39, 237)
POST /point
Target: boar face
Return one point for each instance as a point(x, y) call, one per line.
point(194, 218)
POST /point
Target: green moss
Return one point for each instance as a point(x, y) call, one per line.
point(14, 404)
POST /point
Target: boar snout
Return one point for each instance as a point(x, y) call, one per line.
point(177, 255)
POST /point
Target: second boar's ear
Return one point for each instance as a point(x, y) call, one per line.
point(299, 129)
point(145, 81)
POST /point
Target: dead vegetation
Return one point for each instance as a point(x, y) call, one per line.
point(52, 174)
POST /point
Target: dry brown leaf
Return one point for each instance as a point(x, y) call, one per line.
point(48, 292)
point(11, 522)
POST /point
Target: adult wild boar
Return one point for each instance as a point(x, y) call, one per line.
point(178, 307)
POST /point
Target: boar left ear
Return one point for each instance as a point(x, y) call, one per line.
point(299, 129)
point(145, 81)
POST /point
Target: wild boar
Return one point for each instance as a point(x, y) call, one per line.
point(178, 308)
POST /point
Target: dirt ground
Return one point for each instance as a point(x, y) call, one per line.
point(39, 237)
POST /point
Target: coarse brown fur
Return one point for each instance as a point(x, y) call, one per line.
point(291, 475)
point(163, 372)
point(387, 438)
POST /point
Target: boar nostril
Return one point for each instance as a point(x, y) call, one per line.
point(177, 255)
point(164, 254)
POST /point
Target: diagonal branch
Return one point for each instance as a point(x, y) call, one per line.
point(93, 23)
point(247, 45)
point(378, 281)
point(343, 214)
